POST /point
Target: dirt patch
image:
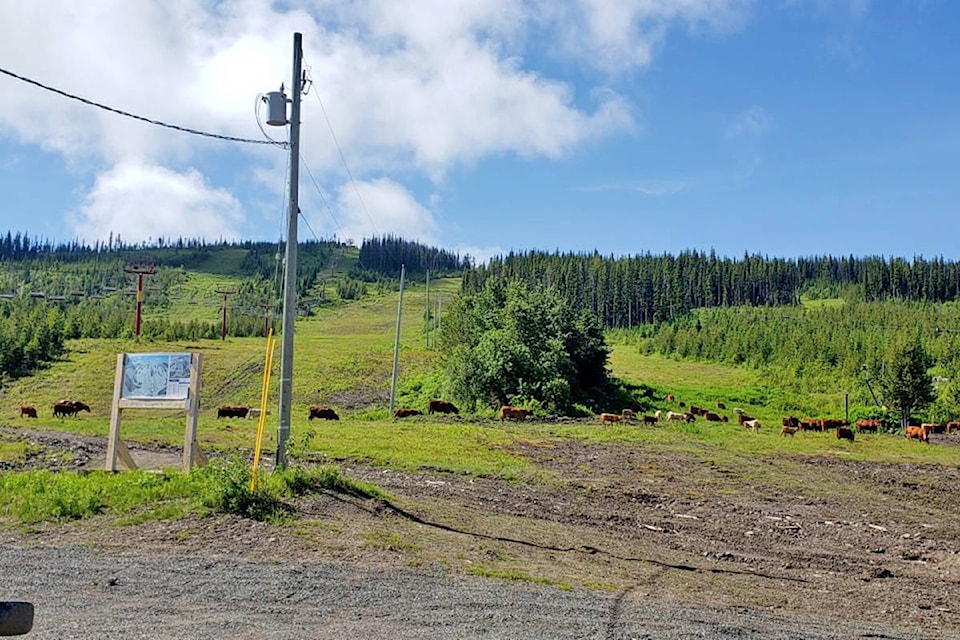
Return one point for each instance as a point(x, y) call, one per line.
point(795, 536)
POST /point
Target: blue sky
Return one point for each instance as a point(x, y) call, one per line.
point(782, 127)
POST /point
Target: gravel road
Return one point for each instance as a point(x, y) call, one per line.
point(80, 592)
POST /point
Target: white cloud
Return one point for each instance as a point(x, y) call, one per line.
point(618, 36)
point(753, 122)
point(140, 202)
point(383, 207)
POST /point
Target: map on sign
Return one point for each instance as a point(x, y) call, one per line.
point(156, 375)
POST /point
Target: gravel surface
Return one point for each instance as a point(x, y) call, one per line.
point(83, 593)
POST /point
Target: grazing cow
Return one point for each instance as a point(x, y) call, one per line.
point(63, 408)
point(867, 426)
point(323, 413)
point(609, 417)
point(787, 430)
point(918, 433)
point(845, 433)
point(680, 417)
point(934, 427)
point(791, 422)
point(441, 406)
point(695, 410)
point(753, 424)
point(629, 414)
point(828, 424)
point(658, 415)
point(722, 406)
point(681, 404)
point(742, 418)
point(514, 413)
point(232, 411)
point(669, 398)
point(953, 425)
point(27, 410)
point(650, 419)
point(811, 424)
point(710, 416)
point(405, 412)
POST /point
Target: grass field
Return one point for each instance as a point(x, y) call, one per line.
point(343, 358)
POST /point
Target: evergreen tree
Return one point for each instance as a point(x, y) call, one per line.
point(905, 382)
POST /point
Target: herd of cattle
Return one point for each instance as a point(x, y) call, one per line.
point(789, 425)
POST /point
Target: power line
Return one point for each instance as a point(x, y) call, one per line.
point(141, 118)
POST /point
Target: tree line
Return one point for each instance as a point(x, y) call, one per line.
point(648, 289)
point(384, 255)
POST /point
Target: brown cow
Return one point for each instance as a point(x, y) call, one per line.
point(710, 416)
point(791, 422)
point(232, 411)
point(845, 433)
point(695, 410)
point(63, 408)
point(918, 433)
point(810, 424)
point(609, 417)
point(514, 413)
point(722, 406)
point(649, 419)
point(742, 418)
point(753, 424)
point(441, 406)
point(953, 425)
point(787, 430)
point(669, 398)
point(680, 417)
point(867, 426)
point(27, 410)
point(323, 413)
point(934, 427)
point(405, 412)
point(828, 424)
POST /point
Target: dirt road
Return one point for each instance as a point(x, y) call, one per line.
point(629, 545)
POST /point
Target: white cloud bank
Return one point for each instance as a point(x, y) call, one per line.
point(410, 89)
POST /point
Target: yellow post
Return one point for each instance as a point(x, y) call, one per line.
point(267, 366)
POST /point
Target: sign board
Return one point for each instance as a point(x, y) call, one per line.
point(161, 376)
point(155, 381)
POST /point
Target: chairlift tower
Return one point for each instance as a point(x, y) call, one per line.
point(277, 116)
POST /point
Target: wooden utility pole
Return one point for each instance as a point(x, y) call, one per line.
point(396, 345)
point(223, 313)
point(140, 271)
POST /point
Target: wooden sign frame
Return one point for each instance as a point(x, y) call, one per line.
point(117, 451)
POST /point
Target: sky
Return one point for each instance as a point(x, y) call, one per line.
point(784, 128)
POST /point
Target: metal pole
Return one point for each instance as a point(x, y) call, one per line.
point(290, 273)
point(427, 316)
point(396, 346)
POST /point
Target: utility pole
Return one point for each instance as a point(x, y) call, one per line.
point(223, 313)
point(290, 258)
point(426, 320)
point(396, 346)
point(140, 271)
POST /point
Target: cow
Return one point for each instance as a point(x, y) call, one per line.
point(725, 418)
point(649, 419)
point(722, 406)
point(629, 414)
point(934, 427)
point(441, 406)
point(787, 430)
point(609, 417)
point(680, 417)
point(710, 416)
point(323, 413)
point(658, 415)
point(514, 413)
point(232, 411)
point(791, 422)
point(753, 424)
point(405, 412)
point(742, 418)
point(844, 433)
point(952, 426)
point(64, 408)
point(27, 410)
point(828, 424)
point(695, 410)
point(681, 404)
point(669, 398)
point(918, 433)
point(867, 426)
point(810, 424)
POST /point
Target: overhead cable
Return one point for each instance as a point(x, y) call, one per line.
point(141, 118)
